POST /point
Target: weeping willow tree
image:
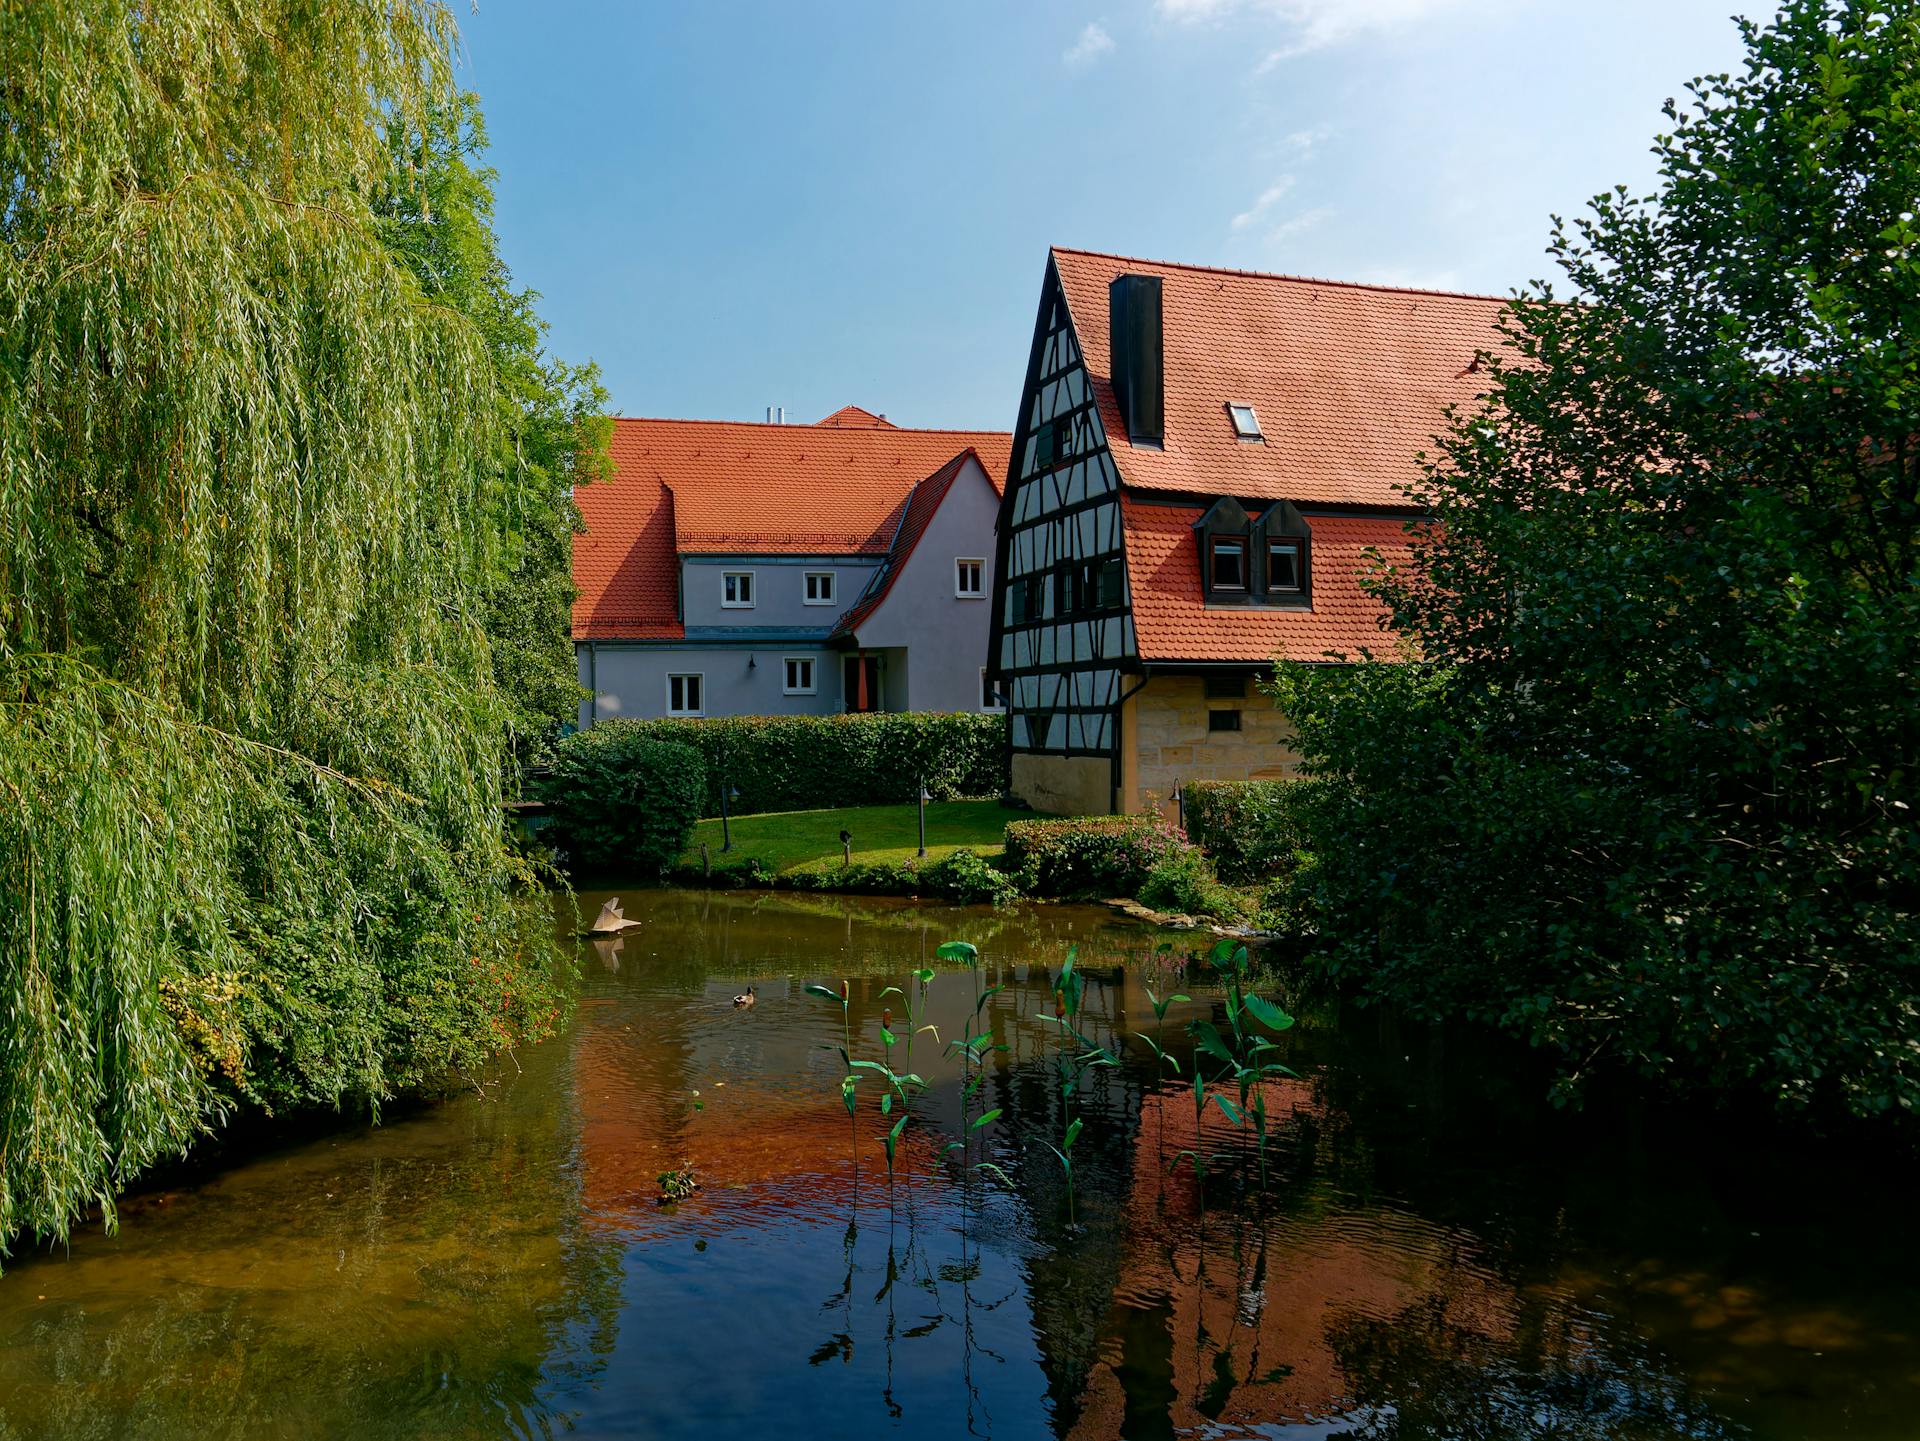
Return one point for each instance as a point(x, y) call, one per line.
point(250, 749)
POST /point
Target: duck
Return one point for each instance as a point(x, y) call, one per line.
point(745, 998)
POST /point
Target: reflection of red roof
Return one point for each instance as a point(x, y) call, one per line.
point(854, 417)
point(1348, 381)
point(735, 488)
point(921, 505)
point(1171, 620)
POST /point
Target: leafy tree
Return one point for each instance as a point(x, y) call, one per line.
point(1648, 793)
point(550, 432)
point(250, 746)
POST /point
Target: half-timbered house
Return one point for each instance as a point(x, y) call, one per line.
point(1203, 462)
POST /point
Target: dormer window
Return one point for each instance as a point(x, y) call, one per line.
point(1226, 564)
point(1246, 425)
point(1286, 567)
point(1244, 561)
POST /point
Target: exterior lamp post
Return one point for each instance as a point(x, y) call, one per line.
point(1180, 807)
point(923, 799)
point(727, 793)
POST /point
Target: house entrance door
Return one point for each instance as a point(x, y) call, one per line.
point(860, 681)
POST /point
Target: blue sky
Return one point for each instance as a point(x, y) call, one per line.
point(736, 205)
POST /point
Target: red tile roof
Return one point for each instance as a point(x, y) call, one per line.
point(1348, 381)
point(623, 565)
point(1172, 621)
point(727, 487)
point(921, 505)
point(854, 417)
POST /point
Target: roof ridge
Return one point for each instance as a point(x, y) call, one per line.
point(815, 429)
point(1278, 275)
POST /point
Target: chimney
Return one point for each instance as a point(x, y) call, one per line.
point(1133, 312)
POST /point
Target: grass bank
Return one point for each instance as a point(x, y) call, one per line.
point(882, 835)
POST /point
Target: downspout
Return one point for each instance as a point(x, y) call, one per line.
point(1119, 727)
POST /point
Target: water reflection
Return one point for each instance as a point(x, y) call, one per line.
point(1430, 1256)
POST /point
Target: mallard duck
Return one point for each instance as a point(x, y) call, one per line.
point(745, 998)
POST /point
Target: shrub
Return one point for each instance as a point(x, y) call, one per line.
point(1251, 829)
point(970, 879)
point(1089, 856)
point(965, 877)
point(622, 800)
point(793, 763)
point(1185, 884)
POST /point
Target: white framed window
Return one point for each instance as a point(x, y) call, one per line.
point(687, 694)
point(970, 579)
point(736, 589)
point(818, 587)
point(989, 697)
point(799, 677)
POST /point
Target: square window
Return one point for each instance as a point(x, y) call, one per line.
point(969, 579)
point(1246, 425)
point(685, 694)
point(1223, 720)
point(736, 589)
point(819, 587)
point(799, 675)
point(1285, 573)
point(990, 698)
point(1227, 563)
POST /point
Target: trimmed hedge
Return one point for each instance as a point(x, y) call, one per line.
point(623, 800)
point(1095, 856)
point(1251, 829)
point(797, 763)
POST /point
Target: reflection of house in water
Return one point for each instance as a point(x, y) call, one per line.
point(1232, 1319)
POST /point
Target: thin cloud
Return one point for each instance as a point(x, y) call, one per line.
point(1298, 224)
point(1093, 45)
point(1260, 207)
point(1313, 24)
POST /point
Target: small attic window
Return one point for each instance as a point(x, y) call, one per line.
point(1246, 425)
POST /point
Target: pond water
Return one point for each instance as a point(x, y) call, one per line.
point(1434, 1254)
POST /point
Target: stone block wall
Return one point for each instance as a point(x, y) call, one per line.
point(1168, 741)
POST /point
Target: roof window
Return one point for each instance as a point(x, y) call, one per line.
point(1246, 425)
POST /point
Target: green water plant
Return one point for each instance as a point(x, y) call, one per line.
point(678, 1184)
point(1076, 1056)
point(1242, 1051)
point(972, 1046)
point(849, 1080)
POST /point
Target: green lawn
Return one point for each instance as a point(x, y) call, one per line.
point(786, 839)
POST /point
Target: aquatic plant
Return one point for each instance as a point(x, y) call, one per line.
point(678, 1183)
point(1241, 1050)
point(1155, 1044)
point(1076, 1056)
point(849, 1081)
point(972, 1047)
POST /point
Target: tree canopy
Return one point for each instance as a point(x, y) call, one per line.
point(251, 746)
point(1646, 794)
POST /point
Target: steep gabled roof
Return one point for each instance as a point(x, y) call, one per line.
point(919, 511)
point(1173, 622)
point(1349, 381)
point(624, 567)
point(854, 417)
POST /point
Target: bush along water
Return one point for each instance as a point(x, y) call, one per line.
point(621, 800)
point(1092, 857)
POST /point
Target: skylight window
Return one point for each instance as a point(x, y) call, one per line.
point(1246, 425)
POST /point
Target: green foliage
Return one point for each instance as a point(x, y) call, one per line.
point(550, 429)
point(250, 747)
point(1649, 796)
point(1184, 883)
point(1097, 856)
point(790, 763)
point(1248, 828)
point(963, 877)
point(621, 801)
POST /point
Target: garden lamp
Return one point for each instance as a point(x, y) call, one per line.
point(923, 798)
